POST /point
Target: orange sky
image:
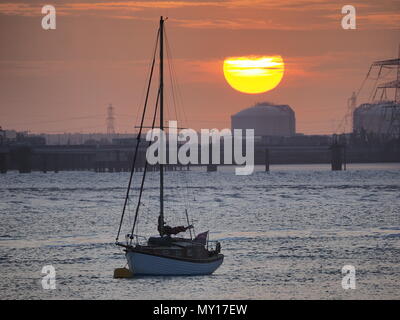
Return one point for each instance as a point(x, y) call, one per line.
point(63, 80)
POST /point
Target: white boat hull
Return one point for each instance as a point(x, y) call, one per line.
point(147, 264)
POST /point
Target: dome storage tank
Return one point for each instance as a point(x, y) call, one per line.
point(377, 118)
point(266, 119)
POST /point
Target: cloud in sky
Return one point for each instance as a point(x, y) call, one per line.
point(269, 15)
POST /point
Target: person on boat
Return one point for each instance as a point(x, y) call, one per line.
point(166, 230)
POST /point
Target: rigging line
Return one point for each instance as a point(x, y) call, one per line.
point(138, 141)
point(145, 169)
point(174, 82)
point(179, 97)
point(187, 219)
point(179, 110)
point(167, 107)
point(187, 202)
point(169, 59)
point(172, 79)
point(129, 211)
point(150, 68)
point(172, 94)
point(178, 102)
point(185, 195)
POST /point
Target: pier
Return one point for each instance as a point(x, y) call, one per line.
point(112, 158)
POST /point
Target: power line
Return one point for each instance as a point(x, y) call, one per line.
point(54, 121)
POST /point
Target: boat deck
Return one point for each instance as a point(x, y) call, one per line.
point(178, 248)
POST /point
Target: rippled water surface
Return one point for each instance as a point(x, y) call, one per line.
point(285, 235)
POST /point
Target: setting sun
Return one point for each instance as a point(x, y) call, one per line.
point(254, 74)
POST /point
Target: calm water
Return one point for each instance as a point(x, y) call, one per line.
point(285, 235)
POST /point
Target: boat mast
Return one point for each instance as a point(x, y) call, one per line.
point(161, 219)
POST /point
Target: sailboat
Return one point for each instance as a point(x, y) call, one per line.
point(166, 254)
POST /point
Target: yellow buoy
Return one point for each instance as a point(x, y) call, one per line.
point(122, 273)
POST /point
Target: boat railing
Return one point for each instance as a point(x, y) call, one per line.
point(139, 240)
point(212, 245)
